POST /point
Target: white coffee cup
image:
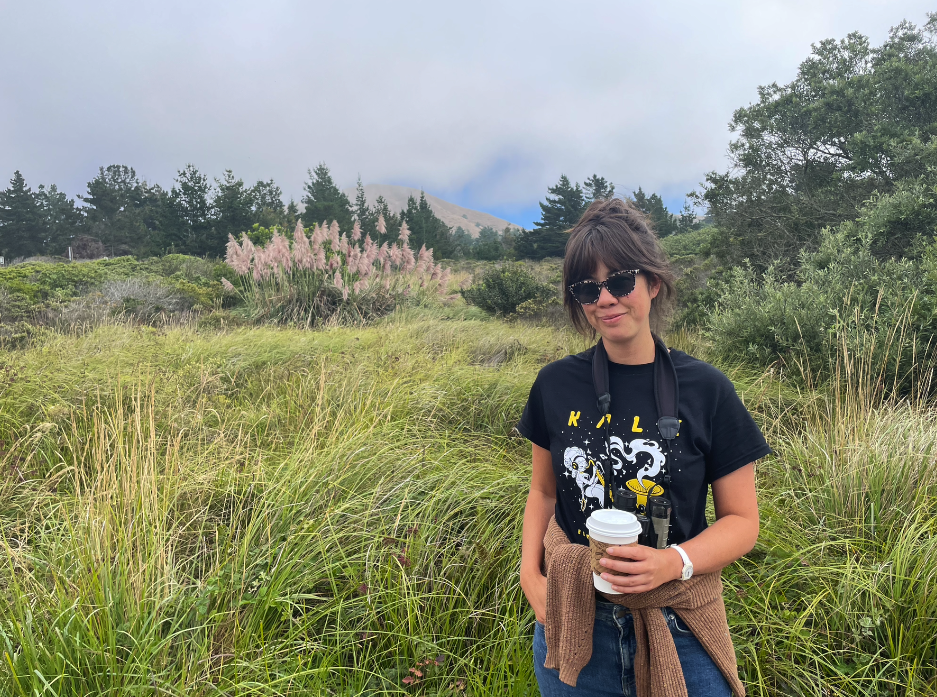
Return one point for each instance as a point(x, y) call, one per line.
point(613, 527)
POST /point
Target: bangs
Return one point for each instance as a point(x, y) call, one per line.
point(598, 244)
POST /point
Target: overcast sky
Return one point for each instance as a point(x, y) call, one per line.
point(484, 103)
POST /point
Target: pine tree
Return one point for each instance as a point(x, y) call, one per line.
point(391, 220)
point(60, 218)
point(324, 201)
point(663, 221)
point(190, 213)
point(426, 228)
point(267, 202)
point(363, 212)
point(233, 207)
point(563, 211)
point(557, 215)
point(21, 228)
point(124, 213)
point(598, 188)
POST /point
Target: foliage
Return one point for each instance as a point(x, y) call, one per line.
point(324, 201)
point(898, 224)
point(503, 288)
point(426, 229)
point(843, 298)
point(490, 245)
point(35, 287)
point(663, 222)
point(20, 220)
point(855, 120)
point(269, 510)
point(327, 275)
point(122, 215)
point(564, 205)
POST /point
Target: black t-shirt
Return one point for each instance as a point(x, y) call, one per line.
point(717, 436)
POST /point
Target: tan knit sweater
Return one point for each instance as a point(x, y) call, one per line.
point(571, 615)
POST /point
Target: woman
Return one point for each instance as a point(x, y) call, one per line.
point(617, 280)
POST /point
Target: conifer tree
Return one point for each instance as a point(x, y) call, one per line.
point(324, 201)
point(426, 228)
point(191, 214)
point(233, 206)
point(60, 218)
point(123, 212)
point(663, 221)
point(267, 204)
point(363, 213)
point(21, 229)
point(598, 188)
point(565, 208)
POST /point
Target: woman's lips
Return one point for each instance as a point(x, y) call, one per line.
point(611, 318)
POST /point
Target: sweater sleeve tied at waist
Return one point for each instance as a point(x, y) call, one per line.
point(571, 615)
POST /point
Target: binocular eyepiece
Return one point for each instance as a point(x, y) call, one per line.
point(654, 517)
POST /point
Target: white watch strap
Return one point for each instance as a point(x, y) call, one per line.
point(687, 564)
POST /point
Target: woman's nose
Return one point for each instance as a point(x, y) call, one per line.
point(606, 298)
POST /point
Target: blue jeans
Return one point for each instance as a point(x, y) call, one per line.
point(610, 671)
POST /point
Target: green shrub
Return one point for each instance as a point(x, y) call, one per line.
point(843, 298)
point(26, 290)
point(501, 289)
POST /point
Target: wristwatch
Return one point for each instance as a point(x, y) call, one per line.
point(687, 564)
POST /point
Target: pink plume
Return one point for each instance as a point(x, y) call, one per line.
point(421, 260)
point(404, 232)
point(409, 262)
point(279, 253)
point(356, 231)
point(381, 225)
point(338, 280)
point(303, 257)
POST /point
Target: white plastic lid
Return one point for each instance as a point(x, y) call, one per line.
point(611, 521)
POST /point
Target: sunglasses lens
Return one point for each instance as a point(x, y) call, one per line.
point(587, 292)
point(620, 285)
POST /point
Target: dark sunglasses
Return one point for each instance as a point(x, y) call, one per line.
point(619, 284)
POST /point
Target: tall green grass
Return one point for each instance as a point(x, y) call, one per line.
point(273, 511)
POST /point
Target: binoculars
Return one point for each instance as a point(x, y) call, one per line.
point(654, 517)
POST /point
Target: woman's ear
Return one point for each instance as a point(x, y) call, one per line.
point(653, 285)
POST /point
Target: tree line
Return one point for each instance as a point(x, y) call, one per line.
point(122, 214)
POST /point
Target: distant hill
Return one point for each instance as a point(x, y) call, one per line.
point(451, 214)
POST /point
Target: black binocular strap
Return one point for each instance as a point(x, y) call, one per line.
point(666, 396)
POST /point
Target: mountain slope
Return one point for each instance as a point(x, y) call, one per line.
point(452, 215)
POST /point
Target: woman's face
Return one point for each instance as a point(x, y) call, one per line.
point(620, 320)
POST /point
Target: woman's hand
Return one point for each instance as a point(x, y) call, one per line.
point(647, 568)
point(535, 588)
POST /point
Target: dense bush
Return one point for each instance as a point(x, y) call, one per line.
point(501, 289)
point(32, 288)
point(328, 275)
point(844, 297)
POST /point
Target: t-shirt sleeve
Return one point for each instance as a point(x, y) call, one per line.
point(736, 438)
point(533, 425)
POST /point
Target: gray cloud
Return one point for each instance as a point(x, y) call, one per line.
point(484, 103)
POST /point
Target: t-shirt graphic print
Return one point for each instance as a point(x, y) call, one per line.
point(716, 436)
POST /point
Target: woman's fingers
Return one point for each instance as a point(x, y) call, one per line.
point(633, 552)
point(624, 566)
point(629, 584)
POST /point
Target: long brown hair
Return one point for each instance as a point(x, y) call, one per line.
point(619, 235)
